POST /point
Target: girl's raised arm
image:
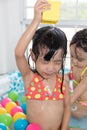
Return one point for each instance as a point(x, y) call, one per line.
point(27, 37)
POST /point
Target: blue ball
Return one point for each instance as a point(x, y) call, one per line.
point(21, 124)
point(3, 126)
point(23, 106)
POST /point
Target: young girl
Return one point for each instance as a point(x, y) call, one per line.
point(78, 49)
point(46, 90)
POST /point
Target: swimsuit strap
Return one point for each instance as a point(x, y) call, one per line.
point(72, 76)
point(83, 72)
point(76, 82)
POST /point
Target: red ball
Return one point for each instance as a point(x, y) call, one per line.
point(1, 105)
point(33, 127)
point(15, 110)
point(5, 101)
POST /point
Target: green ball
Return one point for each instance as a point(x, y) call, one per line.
point(23, 99)
point(6, 119)
point(13, 95)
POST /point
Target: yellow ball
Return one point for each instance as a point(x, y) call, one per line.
point(9, 106)
point(2, 110)
point(19, 115)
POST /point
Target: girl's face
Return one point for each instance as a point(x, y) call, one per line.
point(78, 56)
point(49, 68)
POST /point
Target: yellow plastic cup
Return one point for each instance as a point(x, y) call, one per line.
point(51, 16)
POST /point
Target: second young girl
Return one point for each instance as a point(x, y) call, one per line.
point(78, 50)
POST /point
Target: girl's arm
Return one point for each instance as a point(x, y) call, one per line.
point(27, 37)
point(79, 90)
point(67, 111)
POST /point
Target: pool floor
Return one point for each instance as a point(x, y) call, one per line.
point(79, 123)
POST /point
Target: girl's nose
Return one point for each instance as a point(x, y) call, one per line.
point(51, 66)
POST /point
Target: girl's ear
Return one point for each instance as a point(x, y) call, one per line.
point(32, 55)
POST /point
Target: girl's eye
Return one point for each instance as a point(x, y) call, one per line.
point(45, 62)
point(72, 56)
point(57, 62)
point(79, 59)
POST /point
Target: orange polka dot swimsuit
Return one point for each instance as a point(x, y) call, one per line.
point(38, 91)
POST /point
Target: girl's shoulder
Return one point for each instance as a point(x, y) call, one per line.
point(84, 73)
point(65, 80)
point(66, 76)
point(28, 78)
point(84, 76)
point(36, 77)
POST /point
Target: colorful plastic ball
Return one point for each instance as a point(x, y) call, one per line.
point(9, 106)
point(1, 105)
point(13, 95)
point(23, 106)
point(2, 110)
point(33, 127)
point(15, 110)
point(3, 126)
point(21, 124)
point(6, 119)
point(23, 99)
point(19, 115)
point(5, 101)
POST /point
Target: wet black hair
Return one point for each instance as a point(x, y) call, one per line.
point(80, 39)
point(51, 38)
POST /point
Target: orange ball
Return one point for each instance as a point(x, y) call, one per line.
point(19, 115)
point(9, 106)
